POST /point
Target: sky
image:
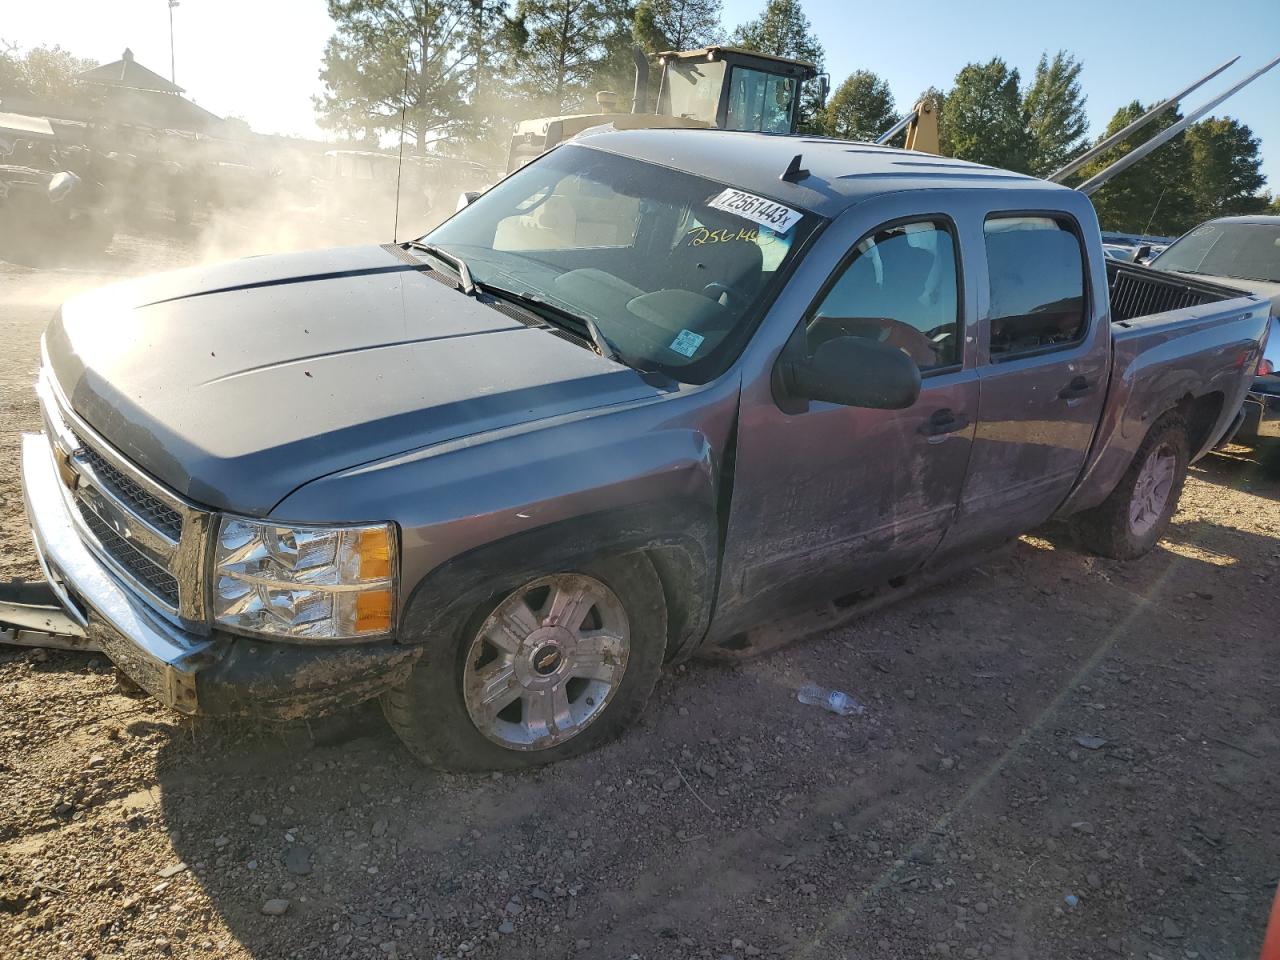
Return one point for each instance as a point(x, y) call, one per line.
point(259, 59)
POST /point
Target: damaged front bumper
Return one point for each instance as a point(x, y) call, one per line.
point(218, 674)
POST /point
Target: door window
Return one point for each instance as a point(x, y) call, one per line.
point(1036, 271)
point(899, 288)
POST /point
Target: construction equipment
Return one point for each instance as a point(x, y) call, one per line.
point(723, 87)
point(921, 126)
point(1094, 183)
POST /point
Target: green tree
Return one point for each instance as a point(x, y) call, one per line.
point(783, 30)
point(676, 24)
point(1273, 206)
point(616, 70)
point(376, 45)
point(1054, 108)
point(557, 47)
point(1153, 195)
point(1226, 175)
point(487, 19)
point(862, 108)
point(44, 74)
point(983, 119)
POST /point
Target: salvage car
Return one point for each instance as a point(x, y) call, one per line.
point(653, 394)
point(1242, 252)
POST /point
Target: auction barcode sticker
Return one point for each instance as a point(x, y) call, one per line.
point(767, 213)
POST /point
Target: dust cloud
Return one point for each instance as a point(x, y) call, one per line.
point(159, 201)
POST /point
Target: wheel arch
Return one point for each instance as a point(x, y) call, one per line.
point(680, 539)
point(1201, 415)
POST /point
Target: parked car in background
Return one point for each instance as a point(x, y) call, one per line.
point(1240, 252)
point(654, 393)
point(48, 211)
point(1122, 252)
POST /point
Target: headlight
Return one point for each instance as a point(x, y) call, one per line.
point(305, 583)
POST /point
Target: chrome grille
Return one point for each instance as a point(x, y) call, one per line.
point(161, 516)
point(149, 537)
point(141, 567)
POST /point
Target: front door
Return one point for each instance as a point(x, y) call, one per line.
point(828, 499)
point(1043, 372)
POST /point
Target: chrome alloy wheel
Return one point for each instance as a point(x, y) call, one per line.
point(1152, 489)
point(546, 662)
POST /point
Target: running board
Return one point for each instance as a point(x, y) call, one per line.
point(773, 635)
point(30, 616)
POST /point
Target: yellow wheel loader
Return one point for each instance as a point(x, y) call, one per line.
point(712, 87)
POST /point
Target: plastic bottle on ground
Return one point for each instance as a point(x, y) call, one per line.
point(835, 701)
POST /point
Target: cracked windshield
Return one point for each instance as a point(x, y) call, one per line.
point(639, 479)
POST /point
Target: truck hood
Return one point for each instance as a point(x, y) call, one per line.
point(235, 384)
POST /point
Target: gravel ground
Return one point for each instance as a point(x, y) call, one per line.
point(1061, 757)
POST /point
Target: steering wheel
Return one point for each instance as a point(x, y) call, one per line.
point(718, 291)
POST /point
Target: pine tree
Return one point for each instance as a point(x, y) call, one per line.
point(677, 24)
point(1054, 107)
point(783, 30)
point(862, 108)
point(555, 50)
point(983, 119)
point(375, 47)
point(1153, 196)
point(1226, 176)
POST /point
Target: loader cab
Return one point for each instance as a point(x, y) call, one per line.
point(733, 89)
point(712, 87)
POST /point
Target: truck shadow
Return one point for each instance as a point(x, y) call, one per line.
point(1254, 470)
point(731, 792)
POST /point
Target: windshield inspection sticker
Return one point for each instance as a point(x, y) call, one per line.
point(687, 343)
point(767, 213)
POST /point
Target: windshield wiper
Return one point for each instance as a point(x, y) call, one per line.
point(453, 260)
point(542, 306)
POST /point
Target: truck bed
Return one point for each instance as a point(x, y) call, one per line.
point(1177, 342)
point(1138, 291)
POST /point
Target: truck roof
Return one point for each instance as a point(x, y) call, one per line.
point(841, 172)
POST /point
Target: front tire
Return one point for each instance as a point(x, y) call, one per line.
point(1137, 513)
point(549, 670)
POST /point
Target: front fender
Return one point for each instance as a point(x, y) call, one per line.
point(477, 513)
point(681, 538)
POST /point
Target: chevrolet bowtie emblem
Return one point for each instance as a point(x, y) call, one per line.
point(66, 472)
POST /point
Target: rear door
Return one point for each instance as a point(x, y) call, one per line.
point(828, 499)
point(1043, 366)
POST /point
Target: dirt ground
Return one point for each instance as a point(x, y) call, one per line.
point(1061, 757)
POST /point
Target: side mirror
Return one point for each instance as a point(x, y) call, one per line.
point(854, 372)
point(61, 184)
point(466, 198)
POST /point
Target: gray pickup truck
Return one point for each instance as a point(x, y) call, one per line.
point(653, 394)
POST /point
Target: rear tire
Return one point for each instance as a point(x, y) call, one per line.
point(1137, 513)
point(470, 704)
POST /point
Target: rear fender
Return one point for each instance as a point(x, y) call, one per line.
point(1183, 360)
